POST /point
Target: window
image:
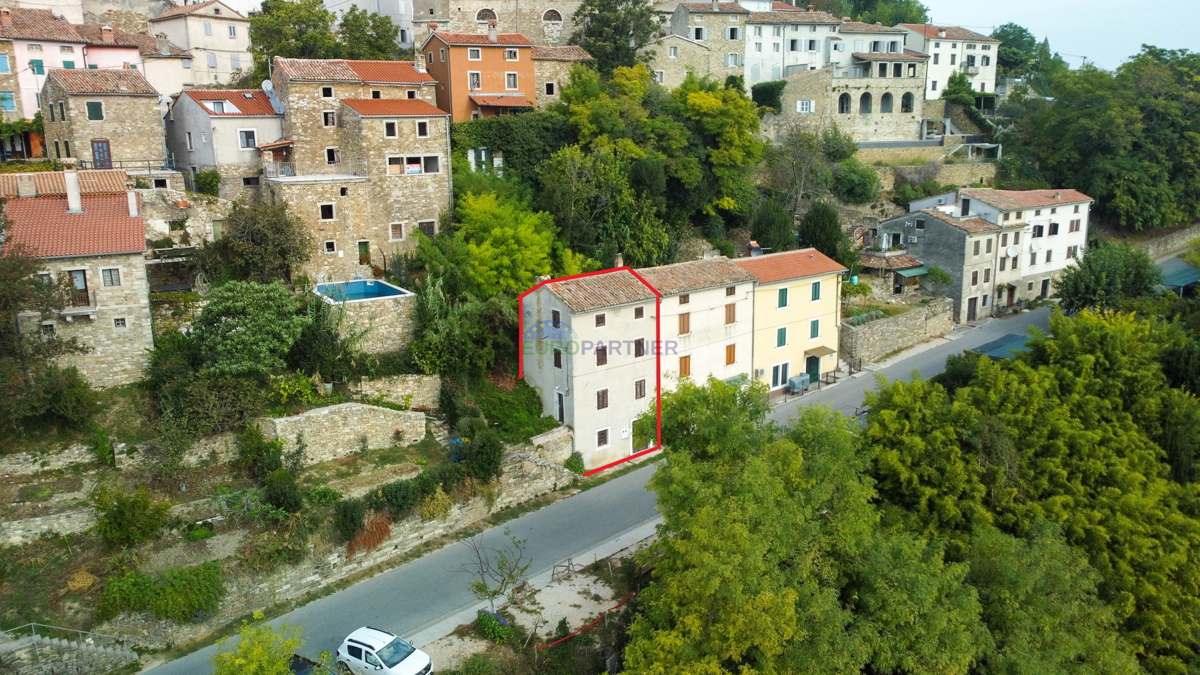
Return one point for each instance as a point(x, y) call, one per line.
point(474, 80)
point(208, 28)
point(329, 118)
point(389, 129)
point(550, 89)
point(558, 358)
point(218, 107)
point(804, 107)
point(1039, 231)
point(375, 93)
point(552, 16)
point(112, 277)
point(235, 62)
point(885, 103)
point(659, 76)
point(975, 278)
point(733, 33)
point(485, 15)
point(37, 67)
point(47, 329)
point(326, 92)
point(733, 60)
point(162, 183)
point(69, 65)
point(920, 223)
point(953, 59)
point(814, 329)
point(427, 227)
point(933, 85)
point(793, 45)
point(685, 366)
point(730, 291)
point(639, 312)
point(4, 64)
point(7, 101)
point(844, 104)
point(1053, 229)
point(685, 323)
point(699, 33)
point(730, 313)
point(212, 60)
point(1016, 238)
point(758, 47)
point(600, 320)
point(781, 336)
point(906, 102)
point(246, 138)
point(248, 181)
point(119, 323)
point(1032, 258)
point(781, 298)
point(511, 55)
point(67, 148)
point(555, 319)
point(812, 45)
point(187, 64)
point(1003, 263)
point(331, 245)
point(730, 354)
point(987, 275)
point(57, 152)
point(510, 81)
point(639, 389)
point(474, 54)
point(672, 53)
point(396, 232)
point(422, 129)
point(1049, 255)
point(331, 156)
point(326, 211)
point(232, 31)
point(1074, 225)
point(1072, 252)
point(602, 438)
point(685, 298)
point(864, 104)
point(988, 245)
point(601, 399)
point(975, 248)
point(601, 355)
point(816, 291)
point(639, 347)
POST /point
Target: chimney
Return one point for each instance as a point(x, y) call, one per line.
point(71, 180)
point(846, 19)
point(432, 26)
point(810, 8)
point(106, 34)
point(131, 196)
point(492, 30)
point(1058, 194)
point(716, 5)
point(162, 44)
point(941, 33)
point(619, 261)
point(26, 187)
point(5, 16)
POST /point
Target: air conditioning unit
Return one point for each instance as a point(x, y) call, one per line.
point(759, 372)
point(912, 240)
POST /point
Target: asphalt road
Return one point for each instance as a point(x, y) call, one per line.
point(427, 597)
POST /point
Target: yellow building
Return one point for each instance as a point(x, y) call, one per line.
point(797, 309)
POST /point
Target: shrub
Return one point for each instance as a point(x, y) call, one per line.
point(479, 664)
point(493, 627)
point(322, 496)
point(484, 456)
point(184, 594)
point(102, 447)
point(292, 389)
point(62, 394)
point(348, 515)
point(434, 506)
point(376, 531)
point(258, 456)
point(247, 328)
point(199, 533)
point(725, 247)
point(515, 415)
point(126, 519)
point(574, 463)
point(282, 492)
point(207, 182)
point(855, 183)
point(769, 94)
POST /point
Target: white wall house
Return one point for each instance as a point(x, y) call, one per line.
point(779, 44)
point(217, 36)
point(953, 49)
point(221, 128)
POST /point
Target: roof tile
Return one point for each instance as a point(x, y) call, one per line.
point(952, 32)
point(257, 104)
point(119, 82)
point(98, 181)
point(560, 53)
point(104, 227)
point(393, 107)
point(344, 70)
point(597, 291)
point(39, 24)
point(860, 27)
point(722, 8)
point(695, 275)
point(970, 224)
point(793, 16)
point(147, 45)
point(1024, 199)
point(198, 7)
point(806, 262)
point(506, 39)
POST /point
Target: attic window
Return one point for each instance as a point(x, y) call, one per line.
point(216, 10)
point(920, 223)
point(218, 107)
point(247, 95)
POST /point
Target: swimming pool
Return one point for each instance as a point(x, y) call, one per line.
point(366, 289)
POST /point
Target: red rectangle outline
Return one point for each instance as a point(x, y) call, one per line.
point(657, 354)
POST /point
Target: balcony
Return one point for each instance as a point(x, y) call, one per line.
point(132, 165)
point(81, 302)
point(308, 171)
point(969, 69)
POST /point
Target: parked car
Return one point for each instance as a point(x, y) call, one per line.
point(371, 651)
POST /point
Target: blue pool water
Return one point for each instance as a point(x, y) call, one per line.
point(359, 290)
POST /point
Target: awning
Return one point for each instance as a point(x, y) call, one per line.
point(913, 271)
point(1185, 275)
point(501, 100)
point(275, 144)
point(819, 351)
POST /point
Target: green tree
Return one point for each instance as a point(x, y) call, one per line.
point(125, 519)
point(958, 90)
point(301, 29)
point(855, 182)
point(247, 328)
point(1107, 274)
point(1017, 47)
point(821, 228)
point(727, 122)
point(772, 225)
point(615, 31)
point(367, 35)
point(261, 650)
point(891, 12)
point(261, 243)
point(508, 246)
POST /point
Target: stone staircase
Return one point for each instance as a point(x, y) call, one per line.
point(38, 649)
point(440, 433)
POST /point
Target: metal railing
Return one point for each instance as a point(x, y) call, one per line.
point(969, 69)
point(163, 164)
point(80, 299)
point(343, 167)
point(85, 645)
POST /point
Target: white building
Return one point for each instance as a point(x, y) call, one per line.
point(953, 49)
point(217, 36)
point(782, 43)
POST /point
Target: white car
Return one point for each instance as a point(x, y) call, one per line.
point(371, 651)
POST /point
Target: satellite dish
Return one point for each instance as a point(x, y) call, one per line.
point(1035, 247)
point(1013, 251)
point(268, 86)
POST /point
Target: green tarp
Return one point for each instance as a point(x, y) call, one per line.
point(913, 271)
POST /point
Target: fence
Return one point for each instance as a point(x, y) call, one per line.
point(164, 164)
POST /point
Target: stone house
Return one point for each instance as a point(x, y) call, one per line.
point(104, 118)
point(221, 129)
point(481, 75)
point(675, 56)
point(954, 49)
point(21, 145)
point(217, 36)
point(797, 309)
point(550, 22)
point(96, 241)
point(720, 26)
point(552, 70)
point(167, 67)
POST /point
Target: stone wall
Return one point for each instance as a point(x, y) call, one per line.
point(947, 174)
point(201, 217)
point(871, 341)
point(132, 124)
point(1172, 242)
point(387, 322)
point(415, 391)
point(336, 431)
point(512, 16)
point(917, 154)
point(554, 445)
point(15, 532)
point(554, 71)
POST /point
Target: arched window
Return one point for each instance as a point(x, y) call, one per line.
point(844, 104)
point(885, 103)
point(484, 15)
point(906, 103)
point(552, 16)
point(864, 104)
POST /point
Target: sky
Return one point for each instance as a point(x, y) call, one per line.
point(1107, 32)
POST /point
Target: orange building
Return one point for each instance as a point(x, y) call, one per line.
point(480, 75)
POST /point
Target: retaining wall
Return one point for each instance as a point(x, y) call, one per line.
point(876, 339)
point(948, 174)
point(415, 391)
point(337, 431)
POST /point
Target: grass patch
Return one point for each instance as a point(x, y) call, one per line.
point(123, 410)
point(512, 407)
point(35, 581)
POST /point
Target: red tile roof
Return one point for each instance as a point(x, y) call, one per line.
point(793, 16)
point(860, 27)
point(952, 32)
point(502, 100)
point(597, 291)
point(561, 53)
point(906, 55)
point(393, 107)
point(257, 104)
point(1024, 199)
point(99, 181)
point(806, 262)
point(707, 8)
point(119, 82)
point(695, 275)
point(275, 144)
point(197, 8)
point(104, 227)
point(502, 39)
point(147, 45)
point(343, 70)
point(39, 24)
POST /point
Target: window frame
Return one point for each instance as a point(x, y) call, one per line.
point(392, 231)
point(88, 110)
point(604, 441)
point(242, 138)
point(110, 273)
point(393, 127)
point(321, 212)
point(781, 298)
point(474, 54)
point(511, 76)
point(781, 337)
point(602, 399)
point(418, 124)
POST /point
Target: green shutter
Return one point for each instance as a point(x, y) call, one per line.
point(814, 328)
point(816, 291)
point(782, 298)
point(95, 110)
point(36, 66)
point(781, 337)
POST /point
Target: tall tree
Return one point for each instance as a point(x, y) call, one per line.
point(301, 29)
point(1017, 46)
point(247, 328)
point(261, 243)
point(615, 31)
point(772, 225)
point(1107, 274)
point(367, 35)
point(821, 228)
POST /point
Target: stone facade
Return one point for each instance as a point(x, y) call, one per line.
point(904, 155)
point(551, 70)
point(872, 341)
point(337, 431)
point(414, 391)
point(1172, 242)
point(16, 532)
point(131, 124)
point(384, 323)
point(534, 20)
point(202, 218)
point(816, 99)
point(675, 56)
point(555, 445)
point(947, 174)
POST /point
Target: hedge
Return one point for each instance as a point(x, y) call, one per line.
point(769, 94)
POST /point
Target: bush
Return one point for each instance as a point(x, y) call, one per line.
point(207, 182)
point(769, 94)
point(282, 492)
point(102, 447)
point(574, 463)
point(479, 664)
point(293, 389)
point(348, 516)
point(258, 456)
point(184, 594)
point(725, 247)
point(201, 404)
point(484, 455)
point(247, 328)
point(515, 415)
point(126, 519)
point(62, 394)
point(434, 506)
point(199, 533)
point(855, 183)
point(493, 627)
point(322, 496)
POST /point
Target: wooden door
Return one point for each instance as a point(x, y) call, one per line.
point(971, 306)
point(101, 154)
